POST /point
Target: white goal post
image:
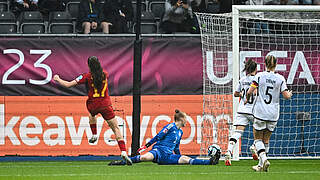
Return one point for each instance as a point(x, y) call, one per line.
point(292, 34)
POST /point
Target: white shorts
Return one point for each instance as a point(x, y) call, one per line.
point(261, 125)
point(243, 119)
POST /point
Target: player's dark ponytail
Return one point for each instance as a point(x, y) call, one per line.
point(271, 62)
point(96, 71)
point(179, 114)
point(250, 66)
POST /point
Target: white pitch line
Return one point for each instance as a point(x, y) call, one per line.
point(154, 173)
point(293, 164)
point(14, 166)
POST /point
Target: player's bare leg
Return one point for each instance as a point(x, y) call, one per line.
point(266, 137)
point(232, 142)
point(113, 124)
point(147, 157)
point(263, 164)
point(254, 153)
point(93, 127)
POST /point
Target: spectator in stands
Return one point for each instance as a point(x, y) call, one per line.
point(89, 17)
point(24, 5)
point(316, 2)
point(178, 17)
point(199, 5)
point(118, 13)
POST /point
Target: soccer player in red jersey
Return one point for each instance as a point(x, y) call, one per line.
point(98, 101)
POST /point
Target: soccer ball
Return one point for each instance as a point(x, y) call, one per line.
point(213, 150)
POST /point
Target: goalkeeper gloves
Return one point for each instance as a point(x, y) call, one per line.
point(143, 148)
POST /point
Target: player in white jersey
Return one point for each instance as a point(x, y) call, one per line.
point(244, 114)
point(266, 108)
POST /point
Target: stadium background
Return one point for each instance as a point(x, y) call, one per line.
point(171, 78)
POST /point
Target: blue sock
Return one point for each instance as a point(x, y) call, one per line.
point(199, 162)
point(135, 159)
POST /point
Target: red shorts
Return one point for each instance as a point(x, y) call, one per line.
point(100, 106)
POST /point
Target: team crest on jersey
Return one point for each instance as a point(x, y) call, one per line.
point(165, 130)
point(79, 78)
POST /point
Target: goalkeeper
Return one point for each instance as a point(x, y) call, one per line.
point(166, 149)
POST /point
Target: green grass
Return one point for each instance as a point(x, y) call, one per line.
point(96, 170)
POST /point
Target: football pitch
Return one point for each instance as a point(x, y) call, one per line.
point(96, 170)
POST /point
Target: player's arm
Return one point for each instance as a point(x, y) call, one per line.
point(286, 93)
point(251, 90)
point(238, 93)
point(64, 83)
point(158, 137)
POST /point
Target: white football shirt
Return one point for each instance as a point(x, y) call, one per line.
point(267, 105)
point(243, 86)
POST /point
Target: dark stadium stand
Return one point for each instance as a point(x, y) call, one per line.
point(149, 28)
point(61, 23)
point(157, 8)
point(32, 23)
point(73, 9)
point(8, 24)
point(148, 23)
point(213, 7)
point(147, 17)
point(4, 5)
point(143, 7)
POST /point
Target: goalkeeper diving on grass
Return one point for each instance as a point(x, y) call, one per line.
point(165, 150)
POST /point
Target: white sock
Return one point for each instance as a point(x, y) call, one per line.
point(260, 162)
point(259, 146)
point(263, 156)
point(261, 150)
point(267, 147)
point(230, 146)
point(234, 139)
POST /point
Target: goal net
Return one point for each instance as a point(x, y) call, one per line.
point(290, 33)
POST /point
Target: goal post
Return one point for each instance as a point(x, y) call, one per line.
point(292, 34)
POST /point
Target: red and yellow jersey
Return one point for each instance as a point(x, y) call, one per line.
point(93, 92)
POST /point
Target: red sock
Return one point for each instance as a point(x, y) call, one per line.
point(93, 128)
point(122, 145)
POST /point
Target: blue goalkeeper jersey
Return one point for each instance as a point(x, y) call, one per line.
point(168, 139)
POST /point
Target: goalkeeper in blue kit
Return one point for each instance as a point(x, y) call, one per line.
point(166, 149)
